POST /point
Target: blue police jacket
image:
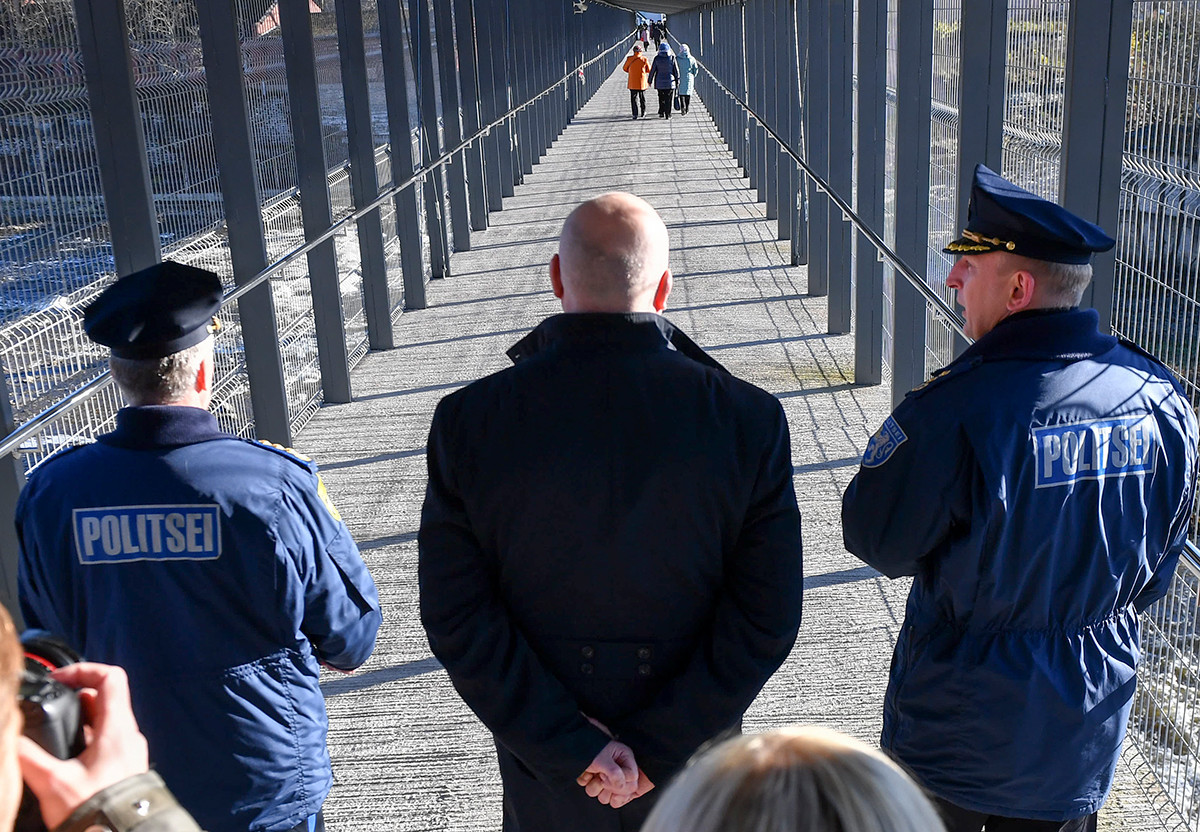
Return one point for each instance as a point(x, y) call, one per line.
point(216, 571)
point(1039, 490)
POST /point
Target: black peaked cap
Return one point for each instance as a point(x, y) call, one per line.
point(155, 312)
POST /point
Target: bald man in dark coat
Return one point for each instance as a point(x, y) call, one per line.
point(610, 561)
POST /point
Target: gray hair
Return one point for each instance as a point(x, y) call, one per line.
point(803, 779)
point(1063, 283)
point(159, 380)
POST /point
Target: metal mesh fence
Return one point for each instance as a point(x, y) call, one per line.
point(1033, 98)
point(55, 255)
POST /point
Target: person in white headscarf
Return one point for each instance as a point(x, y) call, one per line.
point(688, 67)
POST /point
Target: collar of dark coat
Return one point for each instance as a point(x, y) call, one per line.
point(162, 426)
point(1043, 335)
point(621, 330)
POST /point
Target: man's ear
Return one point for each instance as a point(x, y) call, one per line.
point(204, 376)
point(556, 277)
point(1022, 290)
point(664, 289)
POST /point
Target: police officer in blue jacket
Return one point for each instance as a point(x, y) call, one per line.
point(1038, 489)
point(214, 569)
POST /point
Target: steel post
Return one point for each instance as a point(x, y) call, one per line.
point(397, 72)
point(841, 139)
point(233, 143)
point(914, 45)
point(421, 38)
point(456, 169)
point(317, 215)
point(1098, 43)
point(872, 150)
point(117, 126)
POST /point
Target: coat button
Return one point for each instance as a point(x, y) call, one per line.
point(643, 653)
point(587, 652)
point(643, 670)
point(586, 669)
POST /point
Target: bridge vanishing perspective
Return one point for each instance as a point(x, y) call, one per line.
point(381, 183)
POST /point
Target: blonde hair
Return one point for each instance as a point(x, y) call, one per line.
point(12, 662)
point(800, 779)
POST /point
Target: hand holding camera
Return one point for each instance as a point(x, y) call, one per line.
point(114, 748)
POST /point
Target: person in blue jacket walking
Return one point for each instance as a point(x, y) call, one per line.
point(215, 570)
point(688, 68)
point(1038, 489)
point(664, 75)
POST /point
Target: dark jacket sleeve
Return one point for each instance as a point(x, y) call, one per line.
point(653, 72)
point(905, 501)
point(140, 803)
point(341, 604)
point(752, 630)
point(470, 632)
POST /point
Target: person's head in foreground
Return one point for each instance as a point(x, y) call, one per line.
point(612, 257)
point(1019, 252)
point(799, 779)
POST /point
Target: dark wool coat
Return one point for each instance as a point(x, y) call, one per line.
point(609, 529)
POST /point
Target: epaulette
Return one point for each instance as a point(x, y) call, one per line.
point(939, 377)
point(1167, 371)
point(289, 453)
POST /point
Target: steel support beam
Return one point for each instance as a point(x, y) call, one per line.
point(396, 73)
point(872, 159)
point(232, 140)
point(796, 85)
point(364, 179)
point(914, 45)
point(1098, 42)
point(420, 40)
point(816, 130)
point(468, 61)
point(305, 104)
point(489, 85)
point(117, 126)
point(456, 169)
point(785, 77)
point(841, 138)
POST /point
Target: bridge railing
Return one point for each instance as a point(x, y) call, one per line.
point(319, 260)
point(883, 156)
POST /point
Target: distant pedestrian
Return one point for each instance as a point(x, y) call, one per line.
point(638, 67)
point(656, 35)
point(688, 67)
point(664, 74)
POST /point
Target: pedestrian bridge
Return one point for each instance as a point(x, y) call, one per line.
point(382, 185)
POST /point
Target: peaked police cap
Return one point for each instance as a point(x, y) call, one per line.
point(1004, 217)
point(155, 312)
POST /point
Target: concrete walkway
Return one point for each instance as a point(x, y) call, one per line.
point(408, 755)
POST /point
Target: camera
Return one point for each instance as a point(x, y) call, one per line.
point(53, 715)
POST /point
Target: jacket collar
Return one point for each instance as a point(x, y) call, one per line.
point(1041, 335)
point(162, 426)
point(609, 330)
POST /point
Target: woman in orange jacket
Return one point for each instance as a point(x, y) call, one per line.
point(638, 67)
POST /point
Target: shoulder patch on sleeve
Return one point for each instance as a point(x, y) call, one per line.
point(323, 493)
point(289, 453)
point(884, 443)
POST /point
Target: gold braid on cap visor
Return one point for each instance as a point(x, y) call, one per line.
point(995, 242)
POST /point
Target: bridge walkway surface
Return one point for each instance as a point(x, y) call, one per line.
point(408, 755)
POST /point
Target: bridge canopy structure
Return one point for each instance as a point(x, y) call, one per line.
point(350, 166)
